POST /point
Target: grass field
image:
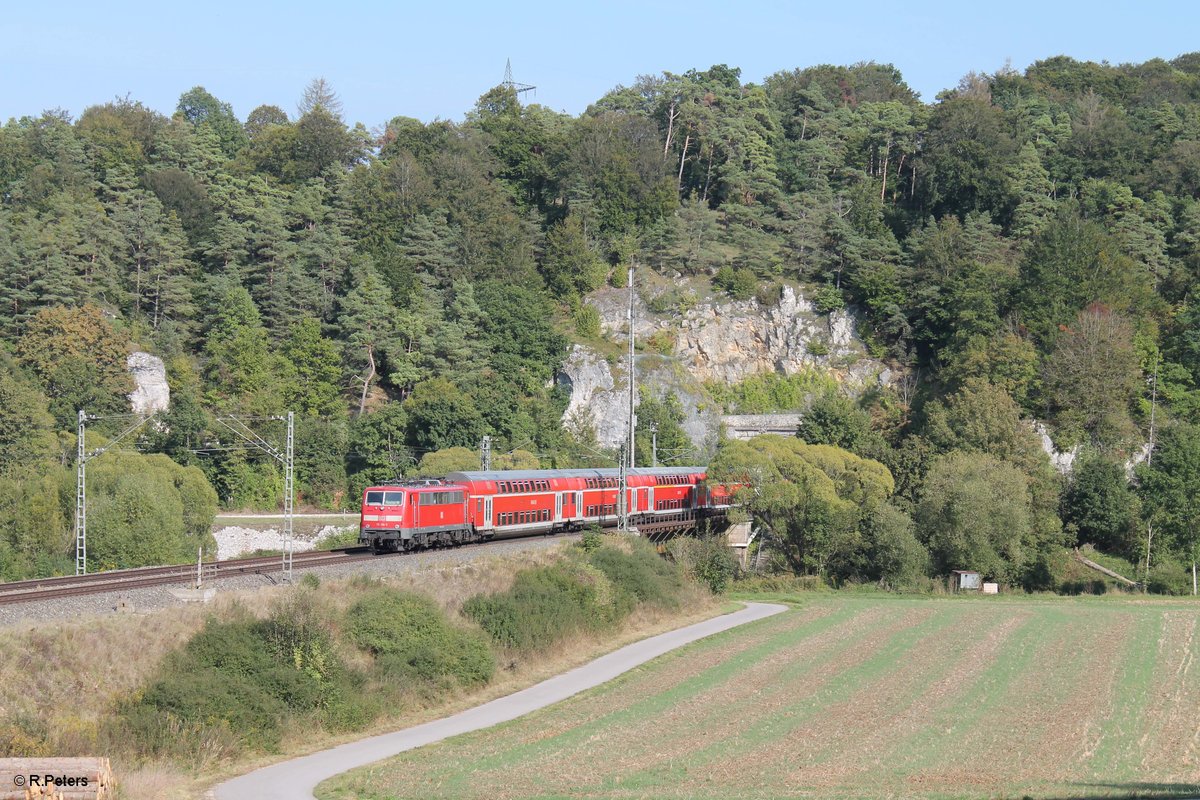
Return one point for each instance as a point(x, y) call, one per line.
point(858, 696)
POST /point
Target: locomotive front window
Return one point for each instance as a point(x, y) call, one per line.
point(374, 498)
point(393, 499)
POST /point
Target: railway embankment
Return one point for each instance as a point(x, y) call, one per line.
point(325, 661)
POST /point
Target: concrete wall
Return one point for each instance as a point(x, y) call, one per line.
point(747, 426)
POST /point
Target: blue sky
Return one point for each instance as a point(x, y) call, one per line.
point(431, 59)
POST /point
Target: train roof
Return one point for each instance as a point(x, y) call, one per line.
point(541, 474)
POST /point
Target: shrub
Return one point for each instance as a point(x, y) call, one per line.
point(782, 584)
point(545, 605)
point(740, 283)
point(828, 298)
point(662, 342)
point(768, 294)
point(587, 321)
point(707, 560)
point(412, 640)
point(642, 574)
point(1169, 577)
point(591, 540)
point(235, 685)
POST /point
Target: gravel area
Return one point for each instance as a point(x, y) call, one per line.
point(234, 540)
point(156, 597)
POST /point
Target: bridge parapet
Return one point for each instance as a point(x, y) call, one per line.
point(746, 426)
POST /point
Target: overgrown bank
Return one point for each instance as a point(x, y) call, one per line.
point(208, 692)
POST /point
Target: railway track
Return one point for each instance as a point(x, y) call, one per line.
point(180, 574)
point(185, 574)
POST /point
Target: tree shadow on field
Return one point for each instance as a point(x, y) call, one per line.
point(1128, 791)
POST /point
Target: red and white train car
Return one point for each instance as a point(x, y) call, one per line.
point(476, 506)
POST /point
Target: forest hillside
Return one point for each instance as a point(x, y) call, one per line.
point(1023, 249)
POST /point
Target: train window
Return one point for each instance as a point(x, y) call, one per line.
point(374, 498)
point(393, 499)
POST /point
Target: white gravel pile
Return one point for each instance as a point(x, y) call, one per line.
point(233, 541)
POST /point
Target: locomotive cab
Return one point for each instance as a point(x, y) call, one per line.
point(382, 517)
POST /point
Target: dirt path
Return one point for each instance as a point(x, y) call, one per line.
point(296, 779)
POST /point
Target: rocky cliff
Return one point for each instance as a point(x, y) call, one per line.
point(151, 392)
point(717, 340)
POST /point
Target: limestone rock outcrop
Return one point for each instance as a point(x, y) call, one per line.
point(717, 340)
point(151, 392)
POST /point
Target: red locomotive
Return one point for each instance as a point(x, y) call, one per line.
point(478, 506)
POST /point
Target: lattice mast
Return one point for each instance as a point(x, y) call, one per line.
point(509, 83)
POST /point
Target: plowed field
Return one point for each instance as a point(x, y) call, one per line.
point(861, 697)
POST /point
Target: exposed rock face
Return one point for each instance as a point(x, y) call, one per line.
point(600, 396)
point(732, 340)
point(1063, 462)
point(597, 403)
point(150, 379)
point(723, 341)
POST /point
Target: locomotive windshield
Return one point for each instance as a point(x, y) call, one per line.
point(385, 498)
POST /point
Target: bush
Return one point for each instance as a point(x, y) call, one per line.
point(1169, 577)
point(708, 560)
point(740, 283)
point(642, 575)
point(828, 298)
point(587, 321)
point(412, 640)
point(662, 342)
point(545, 605)
point(782, 584)
point(768, 294)
point(235, 686)
point(591, 540)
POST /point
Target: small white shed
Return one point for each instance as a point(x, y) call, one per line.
point(962, 580)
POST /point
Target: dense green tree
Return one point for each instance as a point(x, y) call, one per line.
point(367, 317)
point(811, 496)
point(440, 415)
point(452, 459)
point(1170, 491)
point(1099, 506)
point(1091, 379)
point(571, 266)
point(80, 360)
point(241, 370)
point(26, 427)
point(666, 414)
point(146, 510)
point(378, 446)
point(836, 420)
point(1073, 263)
point(321, 446)
point(315, 385)
point(895, 554)
point(203, 110)
point(975, 514)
